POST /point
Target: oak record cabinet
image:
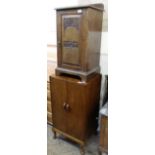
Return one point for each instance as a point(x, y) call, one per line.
point(79, 40)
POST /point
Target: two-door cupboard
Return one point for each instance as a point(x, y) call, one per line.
point(75, 106)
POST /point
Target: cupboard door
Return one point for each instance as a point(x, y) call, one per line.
point(69, 107)
point(76, 122)
point(58, 102)
point(69, 39)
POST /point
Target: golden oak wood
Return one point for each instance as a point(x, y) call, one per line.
point(79, 40)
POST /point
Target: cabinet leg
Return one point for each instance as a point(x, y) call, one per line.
point(99, 152)
point(82, 150)
point(54, 135)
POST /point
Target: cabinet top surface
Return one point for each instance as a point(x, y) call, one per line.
point(97, 6)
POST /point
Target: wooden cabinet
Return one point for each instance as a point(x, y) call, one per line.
point(104, 134)
point(79, 39)
point(75, 106)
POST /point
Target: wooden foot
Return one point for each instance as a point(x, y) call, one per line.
point(82, 150)
point(99, 152)
point(54, 135)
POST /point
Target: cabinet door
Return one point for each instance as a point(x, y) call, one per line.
point(69, 36)
point(76, 119)
point(68, 107)
point(58, 101)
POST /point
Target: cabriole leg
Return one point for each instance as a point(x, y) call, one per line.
point(82, 150)
point(54, 134)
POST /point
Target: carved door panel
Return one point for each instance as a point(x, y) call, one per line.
point(70, 37)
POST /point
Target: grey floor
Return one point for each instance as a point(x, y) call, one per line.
point(62, 146)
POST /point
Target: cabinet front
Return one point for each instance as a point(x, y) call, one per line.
point(69, 36)
point(68, 108)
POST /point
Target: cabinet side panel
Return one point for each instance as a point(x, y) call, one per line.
point(94, 38)
point(93, 98)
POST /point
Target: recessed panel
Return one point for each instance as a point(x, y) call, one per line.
point(70, 39)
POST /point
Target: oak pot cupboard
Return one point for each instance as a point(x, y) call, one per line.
point(79, 40)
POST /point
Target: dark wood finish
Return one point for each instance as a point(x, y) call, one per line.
point(49, 107)
point(79, 40)
point(104, 134)
point(75, 106)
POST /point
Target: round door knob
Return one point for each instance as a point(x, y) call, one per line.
point(67, 107)
point(64, 105)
